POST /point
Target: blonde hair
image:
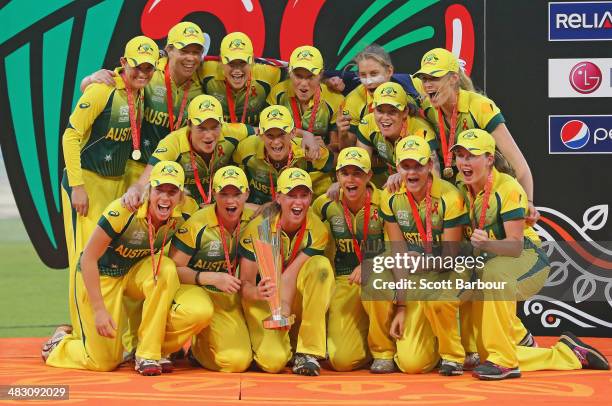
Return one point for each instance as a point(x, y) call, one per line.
point(375, 52)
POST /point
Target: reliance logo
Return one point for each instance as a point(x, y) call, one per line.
point(580, 21)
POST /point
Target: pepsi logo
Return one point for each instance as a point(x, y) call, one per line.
point(575, 134)
point(585, 77)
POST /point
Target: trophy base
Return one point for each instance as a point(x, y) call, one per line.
point(283, 324)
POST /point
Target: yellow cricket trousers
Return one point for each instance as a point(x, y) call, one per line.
point(272, 348)
point(86, 349)
point(357, 329)
point(225, 345)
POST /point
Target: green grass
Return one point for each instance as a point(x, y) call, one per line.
point(33, 297)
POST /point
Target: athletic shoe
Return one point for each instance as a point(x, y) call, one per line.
point(58, 335)
point(588, 356)
point(166, 365)
point(492, 372)
point(472, 360)
point(306, 364)
point(147, 367)
point(450, 368)
point(528, 341)
point(382, 366)
point(128, 356)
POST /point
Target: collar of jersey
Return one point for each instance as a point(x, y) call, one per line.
point(119, 83)
point(463, 101)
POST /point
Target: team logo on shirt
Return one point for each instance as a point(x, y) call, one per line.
point(182, 230)
point(430, 59)
point(214, 248)
point(305, 55)
point(145, 49)
point(160, 150)
point(124, 114)
point(113, 213)
point(84, 105)
point(138, 237)
point(237, 45)
point(337, 224)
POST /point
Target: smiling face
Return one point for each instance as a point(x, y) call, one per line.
point(372, 73)
point(277, 144)
point(236, 73)
point(389, 120)
point(353, 181)
point(185, 61)
point(139, 76)
point(414, 174)
point(162, 201)
point(440, 90)
point(204, 137)
point(230, 203)
point(474, 168)
point(294, 206)
point(304, 83)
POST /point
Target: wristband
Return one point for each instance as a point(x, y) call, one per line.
point(197, 278)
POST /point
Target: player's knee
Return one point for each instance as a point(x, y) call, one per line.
point(411, 364)
point(319, 270)
point(345, 361)
point(272, 361)
point(234, 360)
point(167, 276)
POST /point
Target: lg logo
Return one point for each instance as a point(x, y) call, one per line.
point(585, 77)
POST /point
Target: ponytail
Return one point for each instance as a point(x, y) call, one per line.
point(502, 164)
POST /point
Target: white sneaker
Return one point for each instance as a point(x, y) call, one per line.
point(58, 335)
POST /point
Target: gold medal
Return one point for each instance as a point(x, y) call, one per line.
point(136, 155)
point(448, 172)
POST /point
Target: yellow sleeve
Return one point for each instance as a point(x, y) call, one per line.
point(487, 115)
point(367, 127)
point(418, 85)
point(354, 105)
point(386, 212)
point(267, 73)
point(185, 237)
point(325, 163)
point(274, 93)
point(317, 206)
point(245, 148)
point(114, 218)
point(513, 199)
point(334, 100)
point(455, 212)
point(189, 207)
point(88, 108)
point(318, 236)
point(209, 69)
point(246, 249)
point(168, 149)
point(236, 132)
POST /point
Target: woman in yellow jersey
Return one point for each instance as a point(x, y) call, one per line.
point(313, 106)
point(205, 250)
point(276, 148)
point(514, 262)
point(307, 279)
point(389, 122)
point(428, 214)
point(124, 257)
point(357, 330)
point(201, 148)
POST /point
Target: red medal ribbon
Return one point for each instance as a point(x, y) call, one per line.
point(171, 104)
point(231, 105)
point(366, 223)
point(289, 159)
point(296, 246)
point(369, 105)
point(231, 266)
point(485, 202)
point(425, 233)
point(447, 156)
point(297, 117)
point(132, 111)
point(196, 175)
point(152, 244)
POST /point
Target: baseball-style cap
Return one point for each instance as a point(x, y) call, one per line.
point(390, 93)
point(306, 57)
point(236, 45)
point(230, 176)
point(476, 141)
point(275, 116)
point(355, 156)
point(291, 178)
point(438, 62)
point(203, 107)
point(413, 147)
point(185, 33)
point(167, 172)
point(141, 50)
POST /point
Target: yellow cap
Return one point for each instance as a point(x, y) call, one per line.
point(185, 33)
point(438, 62)
point(203, 107)
point(412, 147)
point(291, 178)
point(476, 141)
point(140, 50)
point(275, 116)
point(236, 45)
point(391, 93)
point(230, 176)
point(355, 156)
point(306, 57)
point(167, 172)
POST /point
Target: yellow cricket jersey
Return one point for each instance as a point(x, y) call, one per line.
point(369, 134)
point(332, 212)
point(313, 243)
point(263, 78)
point(358, 103)
point(507, 202)
point(200, 238)
point(329, 104)
point(447, 210)
point(155, 123)
point(99, 136)
point(250, 155)
point(130, 235)
point(175, 147)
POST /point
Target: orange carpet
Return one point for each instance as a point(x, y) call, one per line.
point(20, 364)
